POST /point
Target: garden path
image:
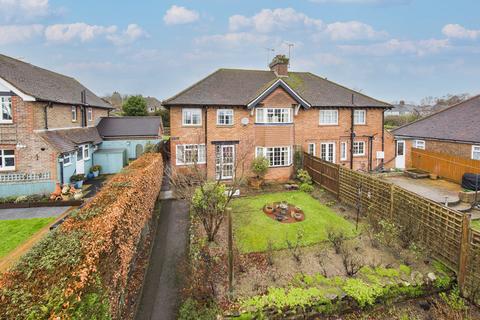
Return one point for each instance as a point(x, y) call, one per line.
point(29, 213)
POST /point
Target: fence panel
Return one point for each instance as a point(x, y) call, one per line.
point(472, 274)
point(444, 165)
point(324, 173)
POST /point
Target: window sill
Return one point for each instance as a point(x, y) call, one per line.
point(67, 165)
point(359, 124)
point(192, 125)
point(7, 169)
point(285, 166)
point(6, 122)
point(225, 125)
point(359, 155)
point(189, 164)
point(273, 124)
point(328, 125)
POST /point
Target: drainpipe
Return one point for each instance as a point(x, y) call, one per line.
point(45, 114)
point(352, 136)
point(370, 153)
point(383, 139)
point(61, 172)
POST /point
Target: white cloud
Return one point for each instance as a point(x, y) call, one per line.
point(180, 15)
point(459, 32)
point(395, 46)
point(233, 39)
point(129, 35)
point(19, 33)
point(23, 8)
point(268, 20)
point(76, 31)
point(352, 30)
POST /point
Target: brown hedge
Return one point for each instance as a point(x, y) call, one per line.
point(113, 225)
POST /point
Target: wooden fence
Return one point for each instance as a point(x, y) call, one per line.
point(447, 166)
point(445, 232)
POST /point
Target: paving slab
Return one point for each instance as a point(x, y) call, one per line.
point(29, 213)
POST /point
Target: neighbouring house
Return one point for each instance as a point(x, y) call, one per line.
point(125, 138)
point(402, 109)
point(273, 113)
point(47, 128)
point(153, 105)
point(454, 131)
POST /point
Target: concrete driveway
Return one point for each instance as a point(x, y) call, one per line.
point(29, 213)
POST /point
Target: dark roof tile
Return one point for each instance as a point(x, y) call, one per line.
point(111, 127)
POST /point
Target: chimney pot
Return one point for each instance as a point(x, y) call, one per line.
point(279, 65)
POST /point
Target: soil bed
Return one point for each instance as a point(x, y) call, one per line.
point(284, 212)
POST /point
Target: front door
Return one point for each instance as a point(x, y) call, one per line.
point(400, 156)
point(225, 161)
point(327, 151)
point(80, 161)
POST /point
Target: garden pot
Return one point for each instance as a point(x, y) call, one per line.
point(79, 184)
point(269, 209)
point(90, 175)
point(78, 195)
point(256, 183)
point(297, 216)
point(96, 173)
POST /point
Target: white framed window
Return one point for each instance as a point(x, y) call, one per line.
point(343, 151)
point(7, 159)
point(6, 106)
point(188, 154)
point(359, 148)
point(476, 152)
point(327, 151)
point(273, 115)
point(86, 152)
point(192, 117)
point(89, 114)
point(74, 113)
point(277, 156)
point(311, 149)
point(224, 117)
point(419, 144)
point(359, 117)
point(328, 117)
point(67, 159)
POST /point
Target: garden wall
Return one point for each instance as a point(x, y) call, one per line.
point(444, 232)
point(87, 268)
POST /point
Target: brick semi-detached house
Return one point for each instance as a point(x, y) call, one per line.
point(46, 117)
point(273, 113)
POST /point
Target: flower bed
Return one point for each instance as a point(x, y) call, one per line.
point(83, 269)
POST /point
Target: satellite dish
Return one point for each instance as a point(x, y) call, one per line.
point(245, 121)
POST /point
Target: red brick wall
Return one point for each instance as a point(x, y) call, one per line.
point(304, 130)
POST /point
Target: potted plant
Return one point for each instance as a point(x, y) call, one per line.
point(96, 170)
point(269, 209)
point(77, 179)
point(259, 168)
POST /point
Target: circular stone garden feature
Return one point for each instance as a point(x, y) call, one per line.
point(284, 212)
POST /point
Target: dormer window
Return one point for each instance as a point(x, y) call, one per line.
point(6, 106)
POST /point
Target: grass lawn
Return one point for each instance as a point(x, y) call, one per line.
point(15, 232)
point(254, 229)
point(475, 225)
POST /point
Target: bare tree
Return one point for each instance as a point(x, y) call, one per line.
point(194, 179)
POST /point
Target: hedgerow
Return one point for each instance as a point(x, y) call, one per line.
point(82, 269)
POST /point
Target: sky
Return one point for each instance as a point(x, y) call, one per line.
point(389, 49)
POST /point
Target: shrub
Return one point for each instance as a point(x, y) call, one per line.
point(260, 166)
point(77, 177)
point(352, 261)
point(304, 177)
point(388, 234)
point(135, 106)
point(96, 167)
point(192, 310)
point(305, 187)
point(336, 238)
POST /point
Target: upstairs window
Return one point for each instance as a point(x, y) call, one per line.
point(192, 117)
point(90, 114)
point(6, 106)
point(476, 152)
point(328, 117)
point(74, 114)
point(224, 117)
point(273, 115)
point(359, 117)
point(419, 144)
point(7, 159)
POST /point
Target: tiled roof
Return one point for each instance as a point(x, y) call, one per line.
point(111, 127)
point(235, 87)
point(457, 123)
point(46, 85)
point(67, 140)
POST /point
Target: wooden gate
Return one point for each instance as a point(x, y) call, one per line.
point(324, 173)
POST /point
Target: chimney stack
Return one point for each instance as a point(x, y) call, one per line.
point(279, 65)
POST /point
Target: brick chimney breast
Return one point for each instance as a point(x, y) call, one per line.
point(279, 65)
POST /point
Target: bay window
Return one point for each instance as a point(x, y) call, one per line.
point(190, 154)
point(273, 115)
point(277, 156)
point(6, 106)
point(7, 159)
